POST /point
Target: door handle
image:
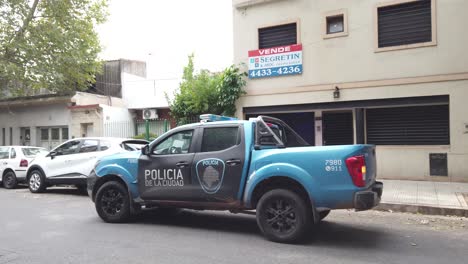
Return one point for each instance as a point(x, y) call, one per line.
point(5, 163)
point(233, 162)
point(181, 164)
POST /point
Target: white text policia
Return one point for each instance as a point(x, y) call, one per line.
point(168, 177)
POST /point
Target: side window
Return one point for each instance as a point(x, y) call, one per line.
point(13, 154)
point(70, 147)
point(178, 143)
point(219, 138)
point(105, 145)
point(89, 145)
point(4, 152)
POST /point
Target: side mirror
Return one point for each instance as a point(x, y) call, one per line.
point(145, 150)
point(52, 154)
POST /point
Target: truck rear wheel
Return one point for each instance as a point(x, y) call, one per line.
point(113, 203)
point(283, 216)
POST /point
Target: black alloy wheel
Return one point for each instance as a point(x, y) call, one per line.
point(283, 216)
point(112, 202)
point(9, 180)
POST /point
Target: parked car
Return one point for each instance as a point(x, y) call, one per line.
point(71, 162)
point(260, 164)
point(14, 163)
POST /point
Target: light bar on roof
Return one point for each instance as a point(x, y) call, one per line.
point(214, 118)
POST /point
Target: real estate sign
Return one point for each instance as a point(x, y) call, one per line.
point(277, 61)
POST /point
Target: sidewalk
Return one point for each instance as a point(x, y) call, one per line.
point(425, 197)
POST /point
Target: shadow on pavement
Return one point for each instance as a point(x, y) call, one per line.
point(327, 233)
point(65, 191)
point(341, 235)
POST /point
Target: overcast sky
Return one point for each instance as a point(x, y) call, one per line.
point(163, 33)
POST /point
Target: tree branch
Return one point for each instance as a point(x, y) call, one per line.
point(26, 21)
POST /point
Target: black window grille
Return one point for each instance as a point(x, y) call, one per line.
point(404, 24)
point(415, 125)
point(281, 35)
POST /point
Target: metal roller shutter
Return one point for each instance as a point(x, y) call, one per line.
point(404, 24)
point(338, 128)
point(417, 125)
point(277, 36)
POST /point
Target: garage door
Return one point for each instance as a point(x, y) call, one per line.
point(338, 128)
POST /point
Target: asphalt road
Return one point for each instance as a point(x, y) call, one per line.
point(62, 226)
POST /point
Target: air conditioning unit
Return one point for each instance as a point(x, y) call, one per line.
point(150, 114)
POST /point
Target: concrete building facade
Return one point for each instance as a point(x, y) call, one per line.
point(384, 72)
point(49, 120)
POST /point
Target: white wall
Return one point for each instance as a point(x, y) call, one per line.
point(141, 93)
point(33, 117)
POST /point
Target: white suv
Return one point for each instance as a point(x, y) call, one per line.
point(72, 162)
point(14, 162)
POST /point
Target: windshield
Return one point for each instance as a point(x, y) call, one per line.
point(274, 132)
point(133, 145)
point(33, 152)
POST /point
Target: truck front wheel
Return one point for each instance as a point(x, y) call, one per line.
point(113, 203)
point(283, 216)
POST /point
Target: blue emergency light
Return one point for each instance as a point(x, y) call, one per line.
point(213, 118)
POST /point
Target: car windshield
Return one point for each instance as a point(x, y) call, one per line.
point(4, 152)
point(33, 152)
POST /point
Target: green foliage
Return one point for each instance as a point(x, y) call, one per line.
point(152, 136)
point(49, 44)
point(206, 92)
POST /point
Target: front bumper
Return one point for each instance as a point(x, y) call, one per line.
point(365, 200)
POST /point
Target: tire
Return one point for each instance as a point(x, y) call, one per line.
point(283, 216)
point(36, 182)
point(323, 214)
point(113, 203)
point(9, 180)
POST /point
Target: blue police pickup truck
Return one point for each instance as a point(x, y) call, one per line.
point(260, 164)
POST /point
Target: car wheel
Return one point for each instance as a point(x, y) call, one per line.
point(36, 182)
point(113, 203)
point(283, 216)
point(9, 180)
point(323, 214)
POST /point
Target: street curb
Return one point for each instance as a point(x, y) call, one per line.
point(421, 209)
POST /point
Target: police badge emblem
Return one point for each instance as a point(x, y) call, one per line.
point(210, 174)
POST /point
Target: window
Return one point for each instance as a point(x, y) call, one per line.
point(13, 153)
point(275, 36)
point(405, 25)
point(4, 152)
point(44, 134)
point(336, 24)
point(89, 145)
point(219, 138)
point(178, 143)
point(55, 133)
point(33, 152)
point(416, 125)
point(70, 147)
point(105, 145)
point(65, 133)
